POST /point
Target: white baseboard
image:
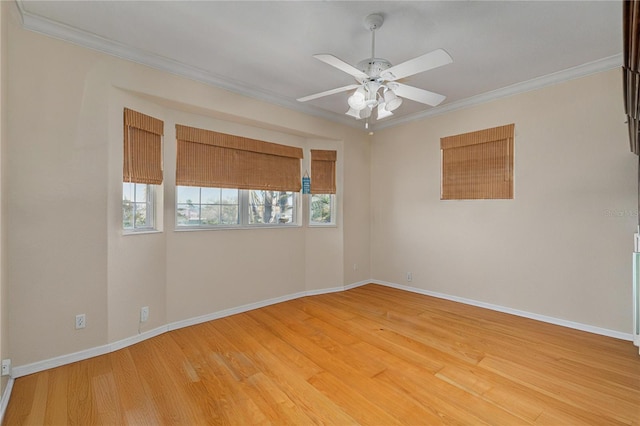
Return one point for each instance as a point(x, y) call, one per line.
point(23, 370)
point(358, 284)
point(120, 344)
point(232, 311)
point(4, 401)
point(517, 312)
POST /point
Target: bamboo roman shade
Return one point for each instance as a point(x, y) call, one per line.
point(212, 159)
point(478, 165)
point(631, 70)
point(142, 148)
point(323, 171)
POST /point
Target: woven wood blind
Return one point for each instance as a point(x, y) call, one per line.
point(478, 165)
point(631, 70)
point(212, 159)
point(323, 171)
point(142, 148)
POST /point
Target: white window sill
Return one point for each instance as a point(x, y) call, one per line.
point(141, 232)
point(322, 225)
point(235, 228)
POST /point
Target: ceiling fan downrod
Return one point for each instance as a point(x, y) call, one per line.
point(372, 22)
point(373, 43)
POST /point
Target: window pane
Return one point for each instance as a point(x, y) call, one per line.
point(321, 208)
point(140, 193)
point(188, 194)
point(182, 214)
point(270, 207)
point(210, 215)
point(137, 206)
point(127, 215)
point(255, 206)
point(210, 195)
point(260, 206)
point(188, 214)
point(140, 215)
point(229, 196)
point(229, 215)
point(284, 207)
point(127, 191)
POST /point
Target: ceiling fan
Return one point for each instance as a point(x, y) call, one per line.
point(378, 87)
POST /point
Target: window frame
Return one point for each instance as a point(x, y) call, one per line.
point(151, 207)
point(243, 214)
point(332, 222)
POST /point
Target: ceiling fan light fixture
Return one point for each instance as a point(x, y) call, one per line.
point(353, 113)
point(391, 100)
point(372, 94)
point(383, 112)
point(371, 102)
point(359, 115)
point(357, 100)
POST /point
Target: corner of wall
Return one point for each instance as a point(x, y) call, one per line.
point(6, 382)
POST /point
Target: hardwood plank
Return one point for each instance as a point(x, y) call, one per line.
point(161, 382)
point(267, 347)
point(370, 355)
point(292, 377)
point(56, 401)
point(38, 408)
point(21, 401)
point(80, 405)
point(600, 402)
point(349, 372)
point(356, 405)
point(134, 401)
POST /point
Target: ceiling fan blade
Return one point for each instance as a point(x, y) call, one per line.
point(328, 92)
point(428, 61)
point(418, 95)
point(341, 65)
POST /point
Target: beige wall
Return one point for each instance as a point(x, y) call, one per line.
point(66, 251)
point(357, 262)
point(561, 248)
point(56, 197)
point(4, 323)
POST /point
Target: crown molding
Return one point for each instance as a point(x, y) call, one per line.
point(92, 41)
point(594, 67)
point(51, 28)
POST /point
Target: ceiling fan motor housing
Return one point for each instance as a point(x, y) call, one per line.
point(373, 67)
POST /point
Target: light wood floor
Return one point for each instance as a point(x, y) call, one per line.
point(371, 355)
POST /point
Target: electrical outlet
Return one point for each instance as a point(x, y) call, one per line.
point(355, 266)
point(409, 277)
point(81, 321)
point(144, 314)
point(6, 367)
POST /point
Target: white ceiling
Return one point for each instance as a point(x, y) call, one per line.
point(264, 48)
